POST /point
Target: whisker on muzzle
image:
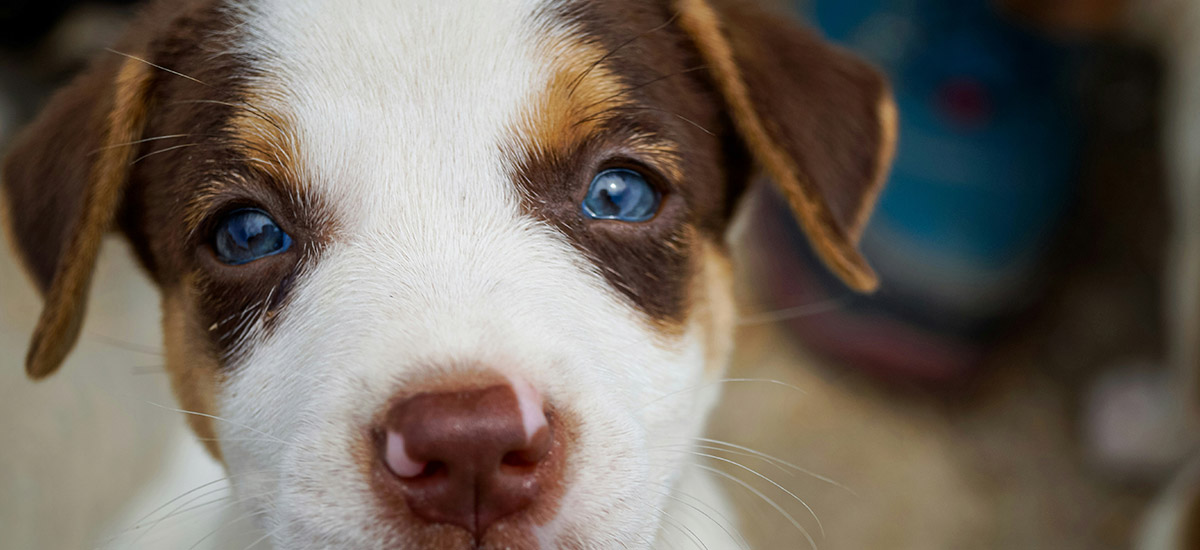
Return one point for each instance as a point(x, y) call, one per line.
point(670, 521)
point(268, 535)
point(771, 502)
point(756, 473)
point(179, 510)
point(735, 535)
point(230, 523)
point(225, 420)
point(779, 462)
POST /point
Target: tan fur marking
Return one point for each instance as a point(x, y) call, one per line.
point(580, 97)
point(700, 21)
point(889, 132)
point(262, 139)
point(194, 374)
point(66, 300)
point(714, 308)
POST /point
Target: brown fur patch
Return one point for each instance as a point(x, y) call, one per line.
point(798, 104)
point(230, 153)
point(582, 95)
point(161, 145)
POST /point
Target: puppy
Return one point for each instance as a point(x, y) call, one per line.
point(445, 274)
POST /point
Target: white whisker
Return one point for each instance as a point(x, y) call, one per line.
point(768, 480)
point(792, 312)
point(778, 460)
point(737, 539)
point(160, 151)
point(240, 518)
point(227, 421)
point(159, 67)
point(672, 522)
point(812, 543)
point(139, 141)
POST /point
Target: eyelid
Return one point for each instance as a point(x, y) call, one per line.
point(219, 194)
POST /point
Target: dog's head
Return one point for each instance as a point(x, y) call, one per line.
point(434, 273)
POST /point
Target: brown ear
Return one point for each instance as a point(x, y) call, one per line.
point(820, 121)
point(63, 181)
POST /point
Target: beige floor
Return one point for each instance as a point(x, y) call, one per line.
point(914, 474)
point(79, 449)
point(1001, 474)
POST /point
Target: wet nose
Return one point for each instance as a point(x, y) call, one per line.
point(471, 457)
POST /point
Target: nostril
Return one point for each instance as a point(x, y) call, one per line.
point(520, 459)
point(434, 468)
point(532, 453)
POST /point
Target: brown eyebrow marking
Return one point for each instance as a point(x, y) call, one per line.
point(263, 137)
point(584, 98)
point(266, 154)
point(622, 45)
point(569, 107)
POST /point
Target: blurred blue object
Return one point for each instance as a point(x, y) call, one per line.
point(984, 169)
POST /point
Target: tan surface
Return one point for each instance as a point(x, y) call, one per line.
point(76, 446)
point(1001, 473)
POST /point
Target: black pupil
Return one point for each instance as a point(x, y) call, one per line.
point(616, 197)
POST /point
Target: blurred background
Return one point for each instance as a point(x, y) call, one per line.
point(1012, 384)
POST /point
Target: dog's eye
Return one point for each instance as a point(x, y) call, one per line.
point(246, 235)
point(621, 194)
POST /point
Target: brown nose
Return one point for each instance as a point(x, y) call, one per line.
point(468, 458)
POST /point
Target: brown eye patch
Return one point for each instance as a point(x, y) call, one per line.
point(237, 299)
point(627, 91)
point(236, 155)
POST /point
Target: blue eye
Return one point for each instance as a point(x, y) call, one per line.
point(247, 235)
point(620, 194)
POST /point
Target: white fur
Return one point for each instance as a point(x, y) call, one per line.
point(401, 113)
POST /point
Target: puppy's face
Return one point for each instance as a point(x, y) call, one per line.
point(436, 275)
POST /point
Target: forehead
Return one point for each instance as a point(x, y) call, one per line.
point(388, 103)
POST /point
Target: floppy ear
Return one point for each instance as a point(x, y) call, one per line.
point(819, 120)
point(63, 181)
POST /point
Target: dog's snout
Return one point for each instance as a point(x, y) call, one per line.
point(471, 457)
